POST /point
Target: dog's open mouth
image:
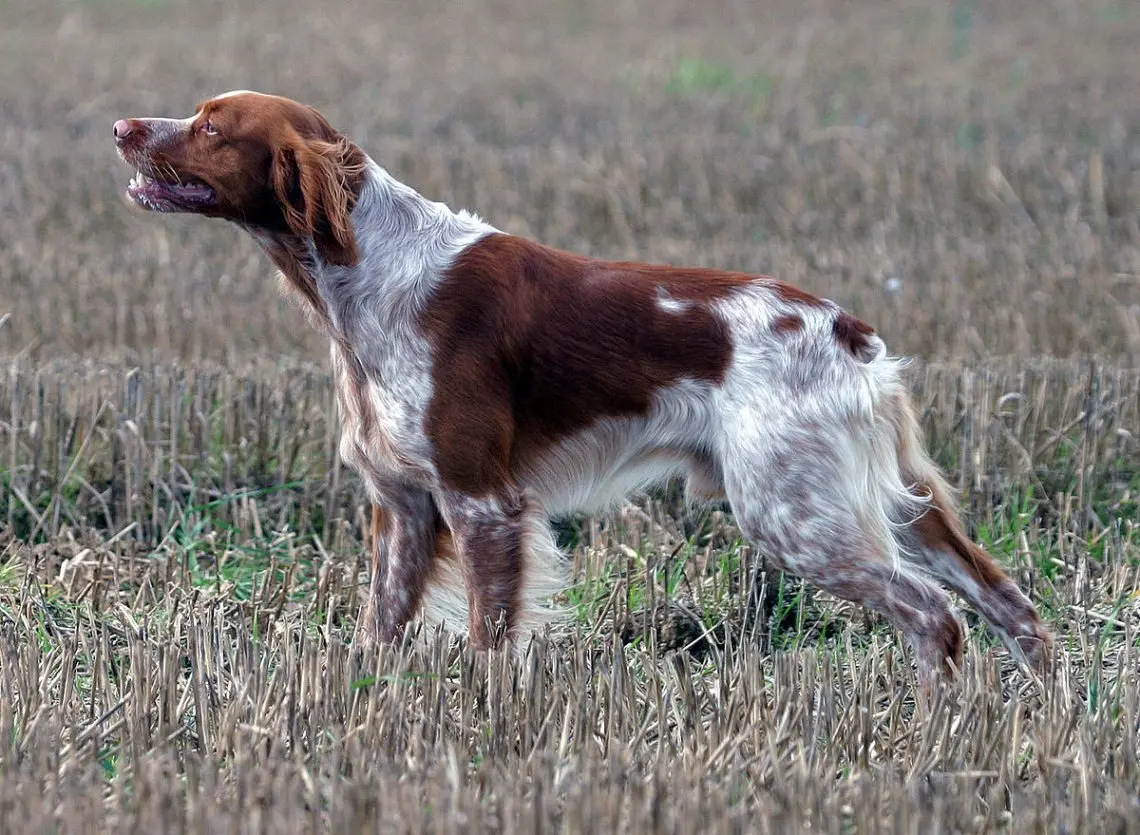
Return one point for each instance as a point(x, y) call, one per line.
point(167, 196)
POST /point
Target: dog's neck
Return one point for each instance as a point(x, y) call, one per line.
point(406, 244)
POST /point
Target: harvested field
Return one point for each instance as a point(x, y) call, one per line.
point(182, 555)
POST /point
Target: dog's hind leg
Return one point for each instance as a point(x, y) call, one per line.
point(934, 540)
point(803, 501)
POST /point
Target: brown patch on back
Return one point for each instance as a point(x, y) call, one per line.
point(787, 324)
point(794, 295)
point(853, 334)
point(533, 344)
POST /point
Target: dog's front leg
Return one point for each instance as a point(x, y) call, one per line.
point(489, 539)
point(405, 524)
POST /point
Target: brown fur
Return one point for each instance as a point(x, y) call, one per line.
point(277, 166)
point(789, 323)
point(950, 554)
point(535, 344)
point(852, 333)
point(309, 177)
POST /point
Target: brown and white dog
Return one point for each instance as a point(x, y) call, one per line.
point(487, 382)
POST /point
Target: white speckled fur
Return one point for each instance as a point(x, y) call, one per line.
point(800, 392)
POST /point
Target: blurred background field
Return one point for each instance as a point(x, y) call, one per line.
point(181, 555)
point(963, 174)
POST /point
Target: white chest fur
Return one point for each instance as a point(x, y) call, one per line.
point(382, 409)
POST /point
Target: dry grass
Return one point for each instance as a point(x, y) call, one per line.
point(175, 649)
point(181, 555)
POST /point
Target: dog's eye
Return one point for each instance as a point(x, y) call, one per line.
point(208, 128)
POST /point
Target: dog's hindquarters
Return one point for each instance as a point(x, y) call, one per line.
point(826, 473)
point(813, 480)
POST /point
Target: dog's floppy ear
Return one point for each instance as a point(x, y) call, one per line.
point(311, 178)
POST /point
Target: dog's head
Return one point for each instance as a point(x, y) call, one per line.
point(263, 161)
